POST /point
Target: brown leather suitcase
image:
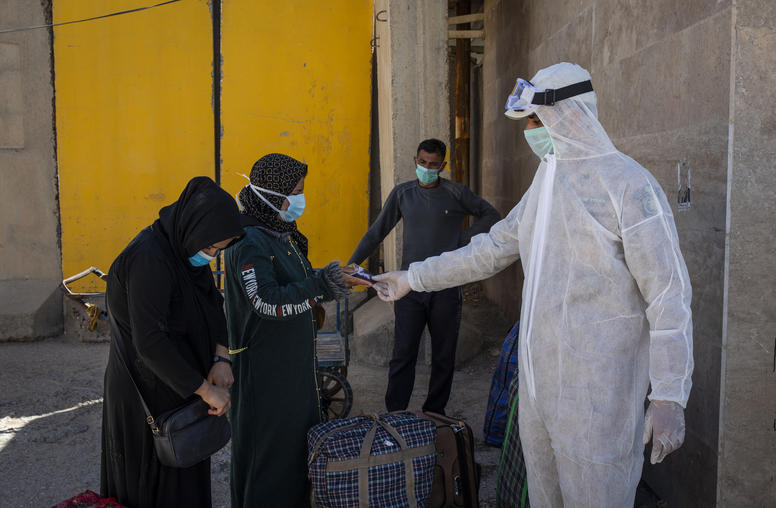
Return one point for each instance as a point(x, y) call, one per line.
point(456, 474)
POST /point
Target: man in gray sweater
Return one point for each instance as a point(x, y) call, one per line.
point(433, 210)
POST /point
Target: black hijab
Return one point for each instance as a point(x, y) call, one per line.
point(278, 173)
point(203, 215)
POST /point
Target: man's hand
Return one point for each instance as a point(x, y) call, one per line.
point(664, 422)
point(216, 397)
point(392, 286)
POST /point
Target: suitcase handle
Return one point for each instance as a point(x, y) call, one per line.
point(394, 434)
point(323, 438)
point(401, 442)
point(366, 451)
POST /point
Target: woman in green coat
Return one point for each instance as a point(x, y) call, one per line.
point(271, 292)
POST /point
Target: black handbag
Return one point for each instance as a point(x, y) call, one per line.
point(183, 436)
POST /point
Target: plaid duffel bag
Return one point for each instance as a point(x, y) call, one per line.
point(511, 481)
point(372, 461)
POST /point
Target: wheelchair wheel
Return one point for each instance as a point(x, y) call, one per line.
point(336, 395)
point(330, 388)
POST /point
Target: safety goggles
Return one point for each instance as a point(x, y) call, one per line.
point(525, 96)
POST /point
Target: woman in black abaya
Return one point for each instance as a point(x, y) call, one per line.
point(161, 294)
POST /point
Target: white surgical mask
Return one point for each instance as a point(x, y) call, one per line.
point(296, 202)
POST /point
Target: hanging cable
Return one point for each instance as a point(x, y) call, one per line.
point(21, 29)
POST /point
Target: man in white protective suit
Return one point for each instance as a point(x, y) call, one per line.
point(606, 301)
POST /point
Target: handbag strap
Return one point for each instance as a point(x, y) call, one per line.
point(120, 347)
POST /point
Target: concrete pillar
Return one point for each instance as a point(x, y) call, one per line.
point(30, 270)
point(747, 430)
point(413, 90)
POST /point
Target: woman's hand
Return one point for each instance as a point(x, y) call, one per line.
point(221, 372)
point(350, 280)
point(221, 375)
point(216, 397)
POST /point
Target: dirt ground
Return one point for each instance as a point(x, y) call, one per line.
point(51, 407)
point(51, 404)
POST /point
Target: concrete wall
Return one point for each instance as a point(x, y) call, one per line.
point(747, 441)
point(661, 70)
point(29, 249)
point(412, 92)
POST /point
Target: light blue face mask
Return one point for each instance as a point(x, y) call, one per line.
point(539, 140)
point(200, 259)
point(296, 202)
point(426, 176)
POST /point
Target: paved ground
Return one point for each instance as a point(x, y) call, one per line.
point(50, 410)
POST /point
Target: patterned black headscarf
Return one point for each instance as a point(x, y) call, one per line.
point(278, 173)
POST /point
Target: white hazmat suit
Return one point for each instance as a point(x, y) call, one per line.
point(605, 308)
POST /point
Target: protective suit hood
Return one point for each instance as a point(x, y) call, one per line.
point(572, 123)
point(575, 130)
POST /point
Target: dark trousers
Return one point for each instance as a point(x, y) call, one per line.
point(441, 311)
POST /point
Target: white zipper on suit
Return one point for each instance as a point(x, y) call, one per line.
point(535, 261)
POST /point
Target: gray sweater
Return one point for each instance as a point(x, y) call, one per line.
point(433, 220)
